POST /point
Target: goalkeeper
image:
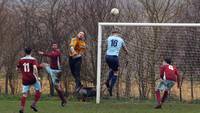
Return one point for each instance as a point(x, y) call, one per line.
point(77, 49)
point(114, 44)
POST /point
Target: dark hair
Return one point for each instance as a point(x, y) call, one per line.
point(116, 30)
point(85, 36)
point(168, 60)
point(54, 44)
point(28, 50)
point(83, 32)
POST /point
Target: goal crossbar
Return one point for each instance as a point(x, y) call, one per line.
point(150, 24)
point(99, 47)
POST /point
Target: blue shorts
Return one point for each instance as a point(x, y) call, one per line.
point(26, 88)
point(165, 85)
point(113, 62)
point(53, 74)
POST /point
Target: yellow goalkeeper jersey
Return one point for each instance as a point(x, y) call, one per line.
point(78, 45)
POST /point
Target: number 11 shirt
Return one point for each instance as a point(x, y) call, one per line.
point(26, 64)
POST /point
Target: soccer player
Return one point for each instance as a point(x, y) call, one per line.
point(28, 67)
point(77, 49)
point(114, 43)
point(54, 70)
point(169, 76)
point(85, 93)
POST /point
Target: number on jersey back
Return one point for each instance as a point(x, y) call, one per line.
point(26, 66)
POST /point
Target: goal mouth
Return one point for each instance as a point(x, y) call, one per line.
point(150, 43)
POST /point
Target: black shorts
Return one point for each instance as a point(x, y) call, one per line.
point(113, 62)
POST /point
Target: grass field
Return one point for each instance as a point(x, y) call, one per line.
point(53, 106)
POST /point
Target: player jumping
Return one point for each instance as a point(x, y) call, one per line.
point(54, 70)
point(114, 44)
point(169, 76)
point(77, 49)
point(28, 67)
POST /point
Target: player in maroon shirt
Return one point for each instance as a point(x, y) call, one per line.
point(54, 70)
point(28, 67)
point(169, 76)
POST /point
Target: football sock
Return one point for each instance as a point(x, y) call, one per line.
point(164, 96)
point(113, 81)
point(110, 75)
point(61, 95)
point(109, 78)
point(23, 102)
point(158, 96)
point(37, 97)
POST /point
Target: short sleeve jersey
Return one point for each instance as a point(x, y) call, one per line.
point(114, 44)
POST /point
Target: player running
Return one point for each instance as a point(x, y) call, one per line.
point(114, 44)
point(54, 70)
point(169, 76)
point(28, 67)
point(77, 49)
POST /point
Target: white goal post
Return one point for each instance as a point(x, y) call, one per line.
point(99, 47)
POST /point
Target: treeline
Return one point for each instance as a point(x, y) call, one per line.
point(38, 23)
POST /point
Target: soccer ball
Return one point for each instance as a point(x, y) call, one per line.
point(114, 11)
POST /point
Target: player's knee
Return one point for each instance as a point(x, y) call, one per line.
point(76, 74)
point(59, 74)
point(115, 73)
point(166, 90)
point(25, 94)
point(157, 89)
point(38, 91)
point(57, 86)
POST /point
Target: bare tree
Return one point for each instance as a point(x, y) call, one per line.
point(159, 11)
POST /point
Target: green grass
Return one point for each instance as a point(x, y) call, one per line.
point(106, 106)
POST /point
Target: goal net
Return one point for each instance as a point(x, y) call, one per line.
point(148, 44)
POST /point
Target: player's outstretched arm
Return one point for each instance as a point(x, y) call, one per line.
point(40, 52)
point(47, 54)
point(125, 49)
point(35, 71)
